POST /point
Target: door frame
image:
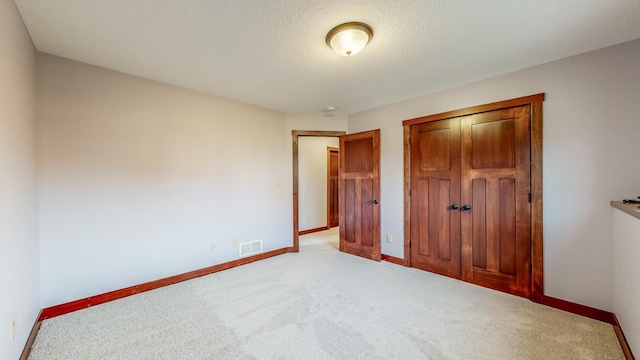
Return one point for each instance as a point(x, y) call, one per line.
point(331, 149)
point(535, 103)
point(295, 134)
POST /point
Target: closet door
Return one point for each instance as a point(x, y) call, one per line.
point(435, 197)
point(495, 208)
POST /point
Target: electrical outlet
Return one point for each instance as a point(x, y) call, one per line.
point(235, 242)
point(389, 238)
point(12, 330)
point(214, 246)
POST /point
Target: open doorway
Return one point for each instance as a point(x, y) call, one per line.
point(316, 188)
point(296, 177)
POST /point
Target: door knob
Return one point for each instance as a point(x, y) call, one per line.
point(376, 202)
point(455, 206)
point(466, 207)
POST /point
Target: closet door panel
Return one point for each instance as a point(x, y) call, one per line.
point(435, 187)
point(495, 183)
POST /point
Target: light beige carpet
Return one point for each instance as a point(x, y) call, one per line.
point(323, 304)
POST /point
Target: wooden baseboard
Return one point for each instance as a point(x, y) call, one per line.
point(578, 309)
point(393, 259)
point(593, 313)
point(622, 339)
point(311, 231)
point(65, 308)
point(32, 337)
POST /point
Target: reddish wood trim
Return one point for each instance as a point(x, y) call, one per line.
point(622, 339)
point(329, 151)
point(393, 259)
point(32, 337)
point(318, 133)
point(537, 268)
point(65, 308)
point(578, 309)
point(311, 231)
point(295, 134)
point(407, 197)
point(526, 100)
point(296, 241)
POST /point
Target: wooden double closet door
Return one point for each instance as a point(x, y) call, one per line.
point(469, 195)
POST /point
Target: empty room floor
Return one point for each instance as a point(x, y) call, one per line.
point(323, 304)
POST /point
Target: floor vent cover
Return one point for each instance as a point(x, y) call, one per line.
point(250, 248)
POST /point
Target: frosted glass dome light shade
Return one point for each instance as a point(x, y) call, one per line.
point(349, 38)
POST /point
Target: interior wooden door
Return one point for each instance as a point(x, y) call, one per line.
point(333, 212)
point(435, 197)
point(359, 189)
point(495, 195)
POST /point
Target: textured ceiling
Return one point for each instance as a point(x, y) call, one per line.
point(272, 53)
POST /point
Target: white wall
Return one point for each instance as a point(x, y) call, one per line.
point(138, 178)
point(312, 180)
point(19, 283)
point(591, 149)
point(625, 275)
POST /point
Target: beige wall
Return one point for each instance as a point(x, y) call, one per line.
point(19, 283)
point(591, 149)
point(138, 178)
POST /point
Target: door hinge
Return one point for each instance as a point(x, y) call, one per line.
point(529, 125)
point(529, 197)
point(409, 192)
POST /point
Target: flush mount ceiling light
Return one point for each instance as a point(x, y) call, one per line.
point(349, 38)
